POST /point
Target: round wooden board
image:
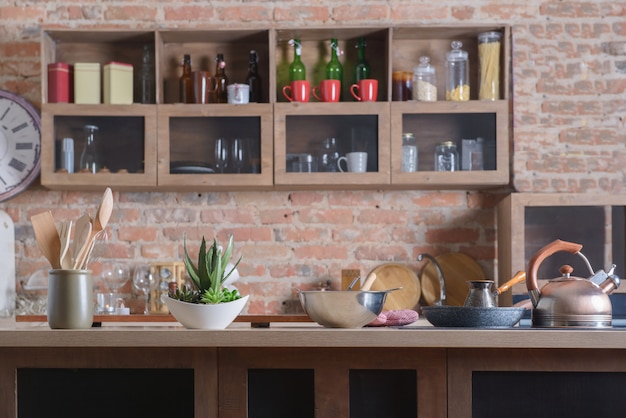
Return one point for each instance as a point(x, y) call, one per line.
point(391, 275)
point(457, 269)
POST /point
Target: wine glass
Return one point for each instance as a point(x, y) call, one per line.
point(221, 154)
point(144, 282)
point(239, 154)
point(114, 275)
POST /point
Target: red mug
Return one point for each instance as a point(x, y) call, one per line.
point(328, 91)
point(298, 91)
point(367, 90)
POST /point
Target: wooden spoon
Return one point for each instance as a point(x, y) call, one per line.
point(97, 225)
point(47, 237)
point(80, 244)
point(369, 281)
point(65, 231)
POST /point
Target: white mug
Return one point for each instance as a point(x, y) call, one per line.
point(356, 162)
point(238, 93)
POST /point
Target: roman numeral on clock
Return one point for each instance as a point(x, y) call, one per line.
point(19, 127)
point(17, 164)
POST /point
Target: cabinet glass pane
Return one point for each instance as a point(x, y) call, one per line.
point(548, 394)
point(590, 226)
point(353, 133)
point(281, 393)
point(193, 145)
point(432, 129)
point(383, 393)
point(104, 393)
point(119, 140)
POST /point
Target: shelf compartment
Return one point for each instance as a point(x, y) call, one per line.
point(188, 133)
point(126, 137)
point(434, 122)
point(94, 45)
point(410, 43)
point(316, 54)
point(300, 128)
point(203, 46)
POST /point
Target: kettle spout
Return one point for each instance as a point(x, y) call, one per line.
point(610, 284)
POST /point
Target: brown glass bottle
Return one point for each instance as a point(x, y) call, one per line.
point(221, 80)
point(186, 84)
point(253, 80)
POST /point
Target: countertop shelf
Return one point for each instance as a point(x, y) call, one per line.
point(305, 334)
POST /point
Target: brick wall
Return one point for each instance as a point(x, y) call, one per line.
point(569, 73)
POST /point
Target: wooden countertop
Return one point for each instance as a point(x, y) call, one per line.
point(241, 334)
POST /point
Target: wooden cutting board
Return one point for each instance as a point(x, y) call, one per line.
point(457, 269)
point(391, 275)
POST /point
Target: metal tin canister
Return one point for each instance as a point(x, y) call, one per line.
point(87, 83)
point(118, 83)
point(60, 83)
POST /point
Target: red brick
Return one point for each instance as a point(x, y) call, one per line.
point(249, 13)
point(15, 13)
point(321, 252)
point(135, 234)
point(189, 13)
point(326, 216)
point(130, 13)
point(381, 252)
point(302, 13)
point(360, 12)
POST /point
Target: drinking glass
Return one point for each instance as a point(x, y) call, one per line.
point(114, 275)
point(144, 282)
point(221, 154)
point(239, 154)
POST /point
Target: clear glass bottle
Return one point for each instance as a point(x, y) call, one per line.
point(89, 162)
point(457, 73)
point(186, 83)
point(221, 80)
point(362, 70)
point(409, 153)
point(147, 77)
point(328, 156)
point(489, 62)
point(446, 157)
point(297, 70)
point(253, 79)
point(334, 69)
point(424, 81)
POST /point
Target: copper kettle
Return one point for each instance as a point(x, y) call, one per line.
point(570, 301)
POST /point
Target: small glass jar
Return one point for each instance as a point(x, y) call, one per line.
point(446, 157)
point(328, 156)
point(424, 81)
point(489, 61)
point(89, 161)
point(457, 73)
point(409, 153)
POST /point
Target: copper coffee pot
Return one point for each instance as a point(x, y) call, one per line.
point(570, 301)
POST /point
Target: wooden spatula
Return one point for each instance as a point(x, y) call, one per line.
point(47, 237)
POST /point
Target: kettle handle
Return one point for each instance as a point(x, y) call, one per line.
point(537, 259)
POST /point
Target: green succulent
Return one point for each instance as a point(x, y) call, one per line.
point(209, 274)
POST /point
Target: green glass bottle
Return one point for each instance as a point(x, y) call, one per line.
point(362, 69)
point(297, 70)
point(334, 69)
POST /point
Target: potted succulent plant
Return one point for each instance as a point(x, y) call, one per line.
point(207, 303)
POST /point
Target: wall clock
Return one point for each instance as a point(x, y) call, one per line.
point(20, 144)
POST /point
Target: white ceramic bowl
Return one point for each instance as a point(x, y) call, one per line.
point(201, 316)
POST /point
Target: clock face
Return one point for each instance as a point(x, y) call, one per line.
point(20, 144)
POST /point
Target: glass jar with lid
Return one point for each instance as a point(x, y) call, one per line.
point(446, 157)
point(457, 73)
point(489, 62)
point(424, 81)
point(409, 153)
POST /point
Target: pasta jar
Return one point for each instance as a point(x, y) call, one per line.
point(457, 73)
point(489, 61)
point(446, 157)
point(424, 81)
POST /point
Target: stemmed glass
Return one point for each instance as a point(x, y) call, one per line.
point(221, 154)
point(114, 275)
point(144, 282)
point(239, 154)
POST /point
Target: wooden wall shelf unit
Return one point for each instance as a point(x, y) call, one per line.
point(528, 221)
point(167, 135)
